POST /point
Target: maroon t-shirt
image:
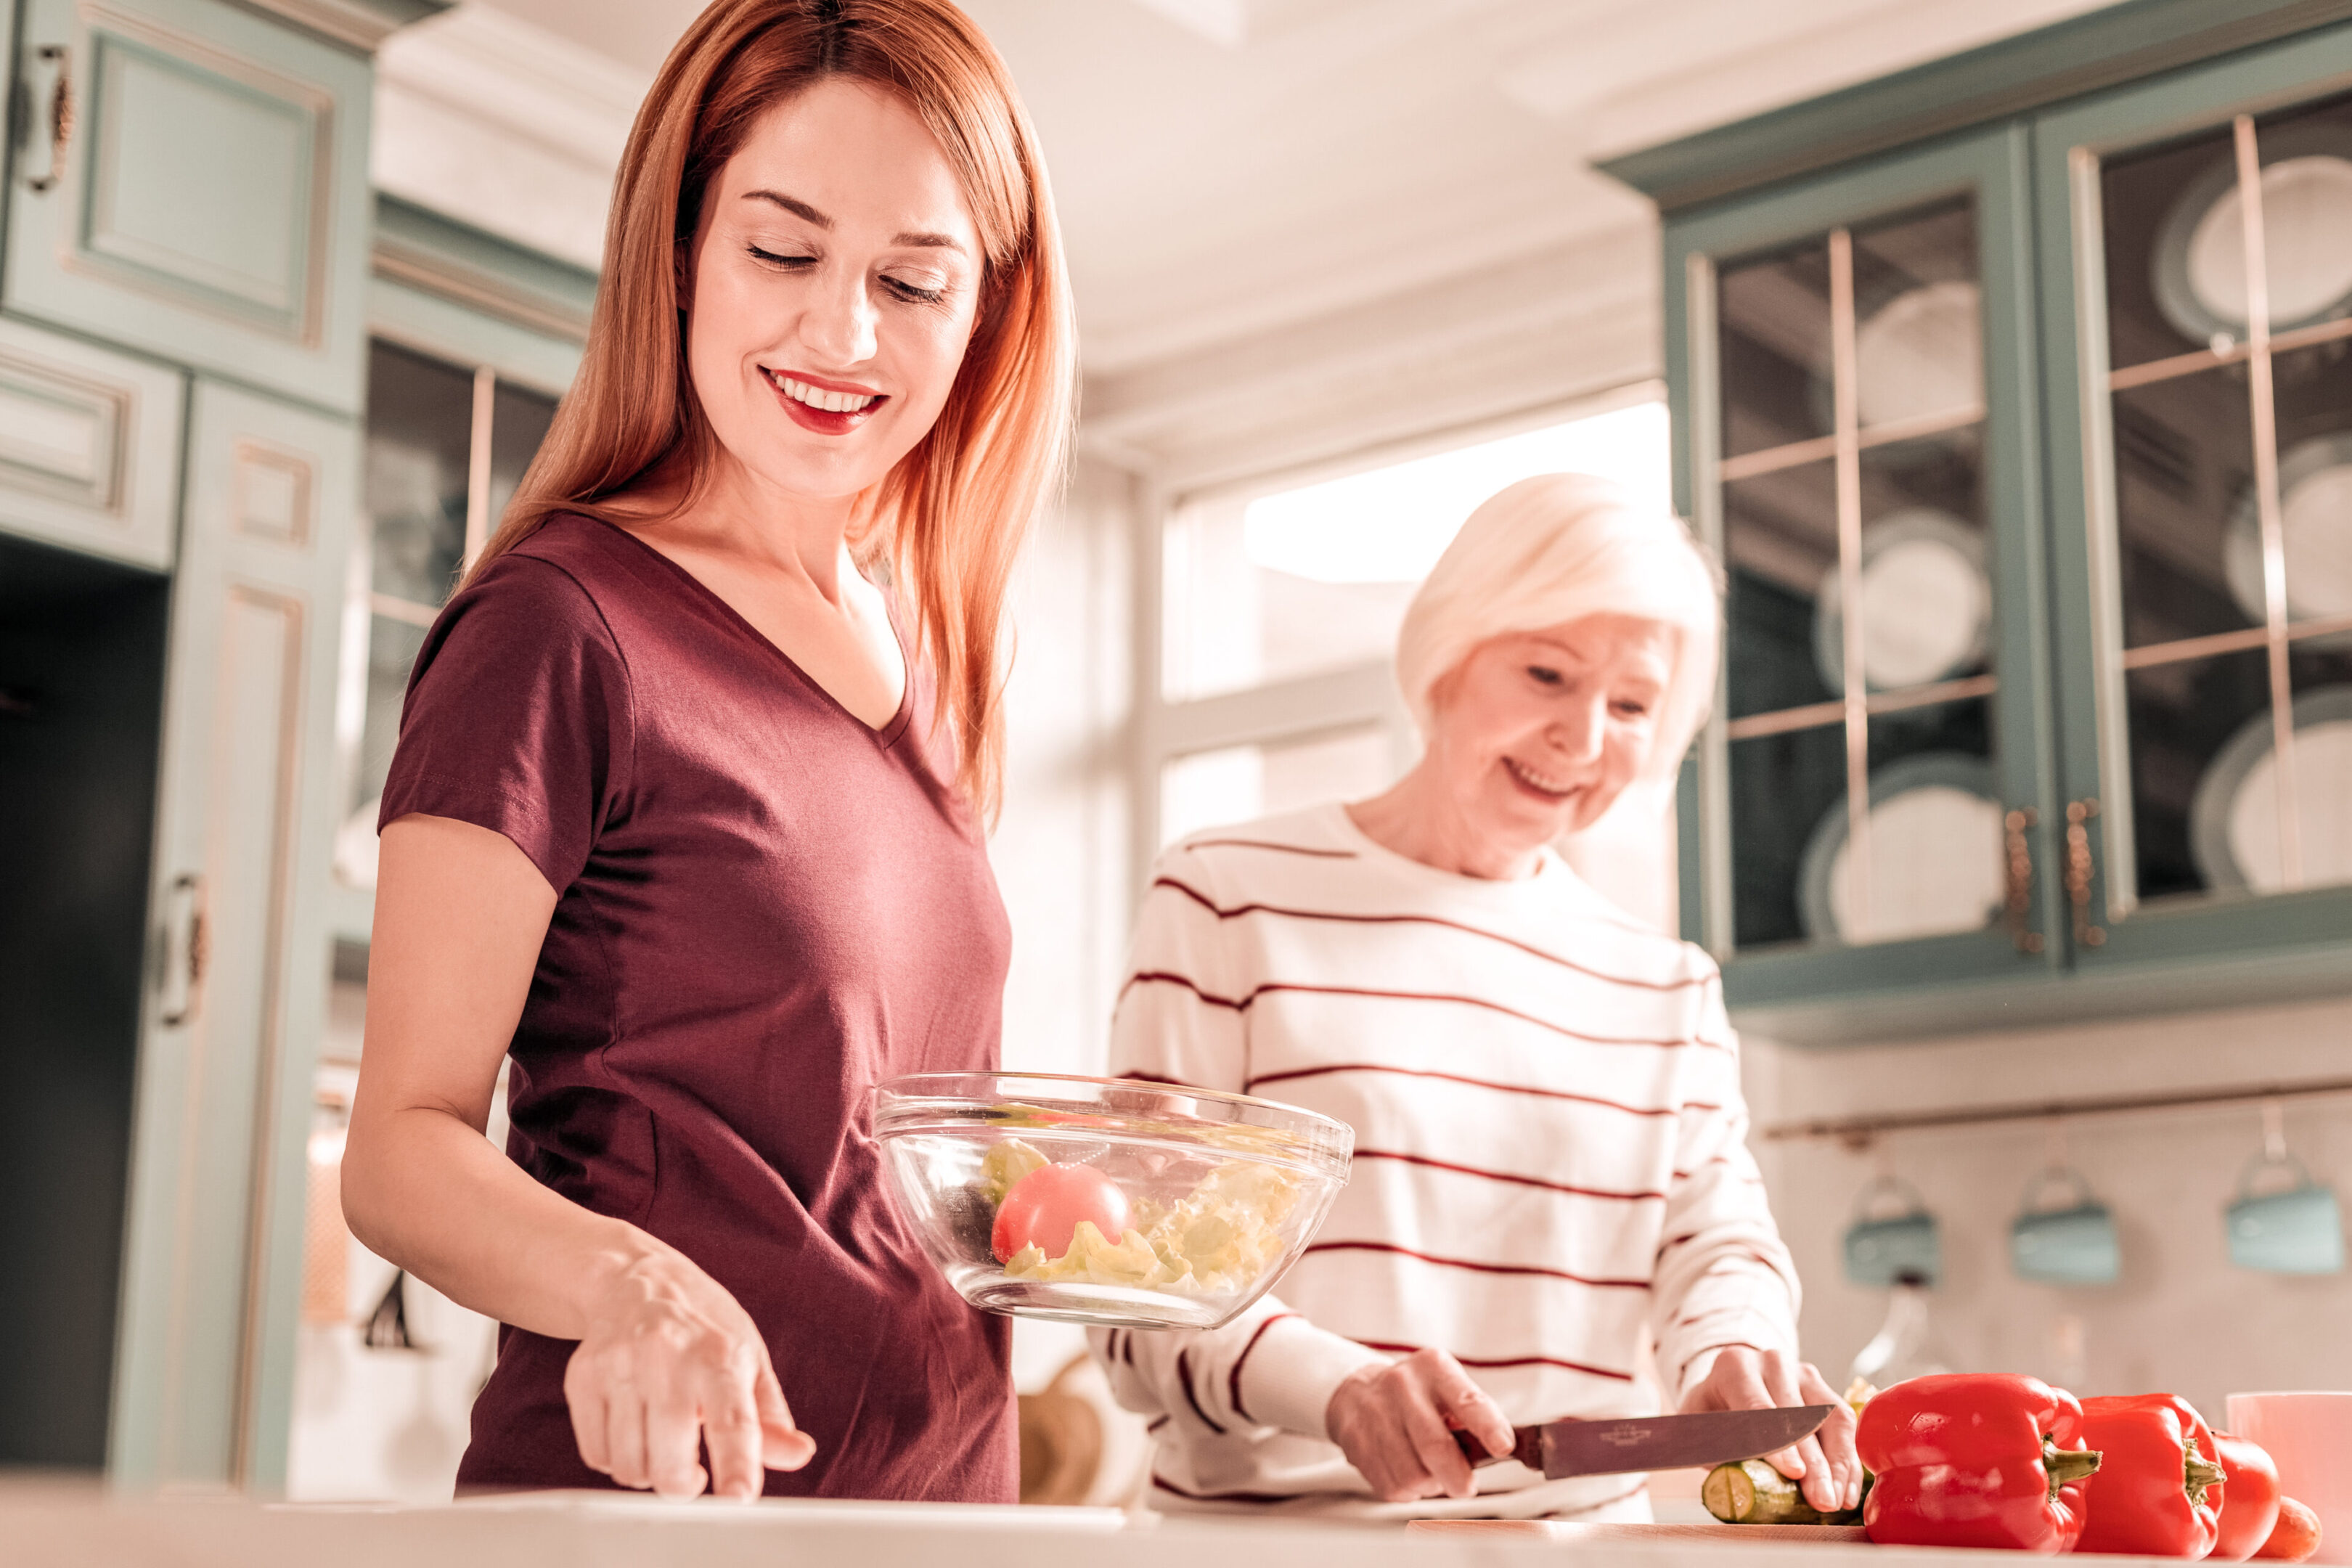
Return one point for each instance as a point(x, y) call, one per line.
point(765, 907)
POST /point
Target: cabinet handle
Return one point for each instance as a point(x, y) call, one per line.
point(184, 977)
point(2078, 871)
point(2017, 828)
point(61, 117)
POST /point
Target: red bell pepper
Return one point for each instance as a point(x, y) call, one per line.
point(2158, 1492)
point(2250, 1506)
point(1975, 1459)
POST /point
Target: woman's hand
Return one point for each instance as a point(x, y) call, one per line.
point(671, 1362)
point(1824, 1465)
point(1396, 1424)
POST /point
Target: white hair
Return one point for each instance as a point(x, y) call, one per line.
point(1553, 548)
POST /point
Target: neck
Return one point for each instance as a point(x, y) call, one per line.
point(1418, 818)
point(737, 514)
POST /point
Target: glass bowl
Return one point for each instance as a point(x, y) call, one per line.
point(1222, 1191)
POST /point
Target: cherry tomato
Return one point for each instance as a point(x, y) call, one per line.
point(1043, 1210)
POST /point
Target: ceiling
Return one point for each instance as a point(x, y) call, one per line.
point(1224, 167)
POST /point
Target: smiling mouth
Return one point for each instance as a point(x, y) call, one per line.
point(1549, 788)
point(823, 410)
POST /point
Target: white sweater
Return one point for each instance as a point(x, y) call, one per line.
point(1551, 1173)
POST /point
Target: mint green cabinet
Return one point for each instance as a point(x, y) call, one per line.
point(89, 446)
point(214, 1245)
point(204, 197)
point(2143, 571)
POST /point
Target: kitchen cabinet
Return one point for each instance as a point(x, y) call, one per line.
point(191, 178)
point(89, 446)
point(214, 1234)
point(1974, 348)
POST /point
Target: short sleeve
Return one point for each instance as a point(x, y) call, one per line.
point(518, 718)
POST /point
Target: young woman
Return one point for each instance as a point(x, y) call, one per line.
point(1551, 1166)
point(685, 816)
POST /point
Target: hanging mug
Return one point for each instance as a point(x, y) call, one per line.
point(2070, 1245)
point(2298, 1230)
point(1881, 1248)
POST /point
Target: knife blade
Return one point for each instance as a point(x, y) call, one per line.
point(1710, 1437)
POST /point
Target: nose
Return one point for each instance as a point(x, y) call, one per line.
point(838, 325)
point(1578, 732)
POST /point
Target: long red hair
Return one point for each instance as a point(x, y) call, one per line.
point(949, 520)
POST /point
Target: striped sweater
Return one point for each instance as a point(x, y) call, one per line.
point(1550, 1177)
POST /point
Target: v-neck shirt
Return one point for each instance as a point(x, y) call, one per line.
point(765, 906)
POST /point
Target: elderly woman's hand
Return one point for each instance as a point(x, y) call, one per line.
point(1395, 1422)
point(1824, 1465)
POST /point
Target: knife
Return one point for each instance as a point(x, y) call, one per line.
point(1651, 1441)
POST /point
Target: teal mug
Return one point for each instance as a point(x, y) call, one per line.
point(2298, 1230)
point(2075, 1245)
point(1882, 1249)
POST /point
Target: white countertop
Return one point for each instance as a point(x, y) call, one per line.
point(79, 1526)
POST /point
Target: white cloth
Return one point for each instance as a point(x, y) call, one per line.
point(1550, 1168)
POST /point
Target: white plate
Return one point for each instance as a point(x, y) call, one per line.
point(2199, 258)
point(1936, 855)
point(1920, 354)
point(2233, 818)
point(2315, 519)
point(1927, 603)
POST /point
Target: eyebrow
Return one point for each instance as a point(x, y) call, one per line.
point(798, 208)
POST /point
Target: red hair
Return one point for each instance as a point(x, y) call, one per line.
point(949, 517)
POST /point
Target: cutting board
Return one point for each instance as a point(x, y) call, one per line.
point(1568, 1530)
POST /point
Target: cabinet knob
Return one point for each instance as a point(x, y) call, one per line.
point(2017, 832)
point(61, 116)
point(2079, 868)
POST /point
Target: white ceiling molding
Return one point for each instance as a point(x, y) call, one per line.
point(1558, 324)
point(506, 126)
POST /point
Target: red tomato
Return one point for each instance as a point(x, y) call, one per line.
point(1043, 1207)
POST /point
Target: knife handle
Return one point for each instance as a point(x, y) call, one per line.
point(1526, 1447)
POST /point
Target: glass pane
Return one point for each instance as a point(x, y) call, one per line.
point(1244, 782)
point(1316, 578)
point(1779, 544)
point(2176, 255)
point(1775, 371)
point(393, 648)
point(1936, 853)
point(1918, 334)
point(2314, 398)
point(518, 422)
point(2187, 533)
point(419, 429)
point(2306, 156)
point(1784, 789)
point(2321, 672)
point(2197, 728)
point(1926, 565)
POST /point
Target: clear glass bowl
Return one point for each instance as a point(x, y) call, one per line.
point(1223, 1191)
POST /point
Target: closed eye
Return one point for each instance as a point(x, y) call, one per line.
point(913, 293)
point(770, 259)
point(1544, 673)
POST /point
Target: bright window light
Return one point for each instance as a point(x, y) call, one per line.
point(1390, 525)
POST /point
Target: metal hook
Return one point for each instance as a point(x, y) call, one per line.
point(2054, 1143)
point(2273, 1131)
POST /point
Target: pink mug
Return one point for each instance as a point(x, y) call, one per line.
point(2310, 1437)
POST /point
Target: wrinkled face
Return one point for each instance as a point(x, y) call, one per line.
point(1536, 734)
point(830, 290)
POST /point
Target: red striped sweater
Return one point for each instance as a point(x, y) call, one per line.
point(1551, 1173)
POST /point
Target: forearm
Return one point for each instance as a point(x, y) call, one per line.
point(424, 1190)
point(1269, 1367)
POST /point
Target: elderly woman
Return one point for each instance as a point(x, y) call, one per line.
point(1553, 1211)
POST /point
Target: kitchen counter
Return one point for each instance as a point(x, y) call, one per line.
point(51, 1527)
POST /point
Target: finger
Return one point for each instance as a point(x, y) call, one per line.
point(1466, 1405)
point(624, 1438)
point(588, 1417)
point(1802, 1461)
point(1836, 1434)
point(672, 1436)
point(1440, 1456)
point(731, 1431)
point(782, 1445)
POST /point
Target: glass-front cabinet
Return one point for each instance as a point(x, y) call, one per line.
point(2027, 449)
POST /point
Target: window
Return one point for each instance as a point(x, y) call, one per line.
point(1279, 605)
point(446, 445)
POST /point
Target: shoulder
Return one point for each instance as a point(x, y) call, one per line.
point(1272, 850)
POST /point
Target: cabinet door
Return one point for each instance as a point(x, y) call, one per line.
point(213, 1250)
point(2196, 238)
point(89, 446)
point(208, 200)
point(1850, 365)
